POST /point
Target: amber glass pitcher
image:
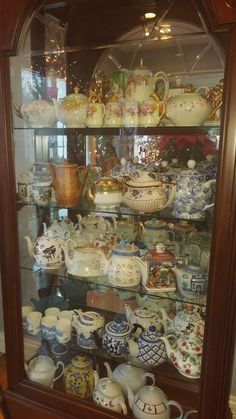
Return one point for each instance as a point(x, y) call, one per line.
point(67, 182)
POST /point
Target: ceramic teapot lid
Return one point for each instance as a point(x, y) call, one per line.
point(41, 363)
point(118, 328)
point(107, 184)
point(124, 249)
point(129, 371)
point(81, 361)
point(144, 312)
point(74, 98)
point(108, 388)
point(144, 179)
point(151, 335)
point(192, 268)
point(142, 70)
point(160, 254)
point(154, 224)
point(152, 395)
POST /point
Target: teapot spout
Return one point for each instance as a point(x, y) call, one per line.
point(53, 174)
point(130, 396)
point(109, 370)
point(96, 377)
point(143, 266)
point(55, 103)
point(171, 352)
point(129, 313)
point(16, 109)
point(29, 245)
point(133, 347)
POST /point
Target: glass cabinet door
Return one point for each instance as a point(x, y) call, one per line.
point(117, 149)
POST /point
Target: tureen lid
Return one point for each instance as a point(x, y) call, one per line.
point(118, 328)
point(144, 179)
point(107, 183)
point(108, 387)
point(123, 249)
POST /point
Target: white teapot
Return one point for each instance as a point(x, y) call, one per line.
point(107, 393)
point(82, 261)
point(124, 267)
point(151, 402)
point(127, 374)
point(47, 250)
point(42, 370)
point(142, 83)
point(142, 316)
point(72, 109)
point(37, 113)
point(144, 193)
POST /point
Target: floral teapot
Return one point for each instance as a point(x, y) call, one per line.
point(72, 109)
point(185, 321)
point(151, 403)
point(42, 370)
point(124, 266)
point(107, 393)
point(82, 261)
point(37, 113)
point(127, 374)
point(187, 356)
point(142, 83)
point(144, 193)
point(47, 250)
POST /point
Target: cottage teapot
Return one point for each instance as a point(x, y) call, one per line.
point(142, 83)
point(107, 393)
point(42, 370)
point(144, 193)
point(151, 402)
point(191, 280)
point(127, 374)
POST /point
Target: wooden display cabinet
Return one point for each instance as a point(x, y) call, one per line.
point(51, 47)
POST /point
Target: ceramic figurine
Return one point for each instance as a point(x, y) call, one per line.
point(78, 377)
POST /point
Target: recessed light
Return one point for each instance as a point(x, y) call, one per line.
point(150, 15)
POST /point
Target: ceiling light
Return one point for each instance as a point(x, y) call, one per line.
point(150, 15)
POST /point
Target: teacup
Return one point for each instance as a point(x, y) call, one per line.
point(34, 322)
point(151, 112)
point(95, 114)
point(52, 311)
point(63, 330)
point(41, 192)
point(66, 314)
point(25, 310)
point(113, 114)
point(131, 113)
point(48, 327)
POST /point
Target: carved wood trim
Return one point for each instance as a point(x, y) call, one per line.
point(224, 11)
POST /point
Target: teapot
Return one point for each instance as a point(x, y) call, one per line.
point(124, 266)
point(47, 250)
point(78, 377)
point(82, 261)
point(67, 183)
point(42, 370)
point(151, 402)
point(37, 113)
point(148, 348)
point(189, 108)
point(106, 192)
point(107, 393)
point(142, 316)
point(187, 356)
point(116, 337)
point(142, 83)
point(184, 322)
point(191, 280)
point(85, 324)
point(127, 374)
point(144, 193)
point(72, 109)
point(155, 231)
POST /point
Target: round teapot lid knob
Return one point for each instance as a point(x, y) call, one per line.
point(122, 243)
point(191, 164)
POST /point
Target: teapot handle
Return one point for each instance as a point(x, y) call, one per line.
point(84, 178)
point(189, 413)
point(179, 407)
point(123, 406)
point(150, 375)
point(61, 373)
point(160, 75)
point(172, 194)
